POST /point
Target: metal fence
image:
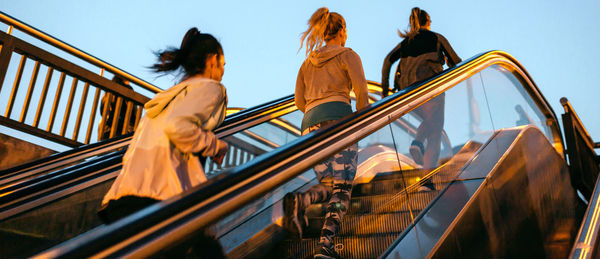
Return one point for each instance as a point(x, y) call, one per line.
point(55, 99)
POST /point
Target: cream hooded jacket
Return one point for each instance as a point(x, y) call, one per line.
point(162, 160)
point(328, 75)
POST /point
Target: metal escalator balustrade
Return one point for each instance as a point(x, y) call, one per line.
point(83, 185)
point(60, 160)
point(239, 198)
point(33, 210)
point(273, 113)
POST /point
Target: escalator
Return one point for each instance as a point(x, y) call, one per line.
point(54, 199)
point(502, 177)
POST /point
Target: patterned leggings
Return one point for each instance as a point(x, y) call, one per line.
point(335, 176)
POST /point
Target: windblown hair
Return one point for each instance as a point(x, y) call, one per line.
point(418, 19)
point(191, 56)
point(322, 26)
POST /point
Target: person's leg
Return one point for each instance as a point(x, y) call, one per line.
point(344, 170)
point(434, 137)
point(417, 149)
point(122, 207)
point(295, 203)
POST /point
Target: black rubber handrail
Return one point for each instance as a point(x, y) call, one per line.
point(56, 183)
point(204, 204)
point(17, 191)
point(69, 154)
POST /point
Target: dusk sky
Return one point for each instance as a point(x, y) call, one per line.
point(556, 41)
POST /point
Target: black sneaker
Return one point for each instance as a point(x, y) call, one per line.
point(294, 220)
point(328, 249)
point(427, 186)
point(417, 151)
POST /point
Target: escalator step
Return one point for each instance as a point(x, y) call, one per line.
point(379, 203)
point(365, 224)
point(371, 226)
point(385, 185)
point(353, 247)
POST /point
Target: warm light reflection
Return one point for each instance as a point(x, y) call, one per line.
point(232, 110)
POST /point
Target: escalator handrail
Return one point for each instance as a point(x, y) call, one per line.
point(40, 192)
point(142, 233)
point(586, 242)
point(66, 155)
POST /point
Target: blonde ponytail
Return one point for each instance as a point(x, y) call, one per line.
point(418, 18)
point(322, 26)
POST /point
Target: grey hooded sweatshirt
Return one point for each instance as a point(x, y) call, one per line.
point(162, 159)
point(328, 75)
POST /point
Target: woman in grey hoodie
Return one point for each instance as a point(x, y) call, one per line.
point(162, 159)
point(322, 93)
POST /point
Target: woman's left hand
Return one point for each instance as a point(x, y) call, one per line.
point(223, 147)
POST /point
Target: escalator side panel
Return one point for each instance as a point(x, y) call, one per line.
point(24, 235)
point(417, 241)
point(525, 208)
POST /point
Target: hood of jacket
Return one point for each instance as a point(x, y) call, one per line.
point(321, 56)
point(160, 101)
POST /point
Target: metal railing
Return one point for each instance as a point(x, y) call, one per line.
point(30, 30)
point(28, 111)
point(72, 118)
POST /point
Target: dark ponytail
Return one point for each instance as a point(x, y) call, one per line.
point(418, 18)
point(195, 48)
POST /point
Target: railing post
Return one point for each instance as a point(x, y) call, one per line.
point(5, 55)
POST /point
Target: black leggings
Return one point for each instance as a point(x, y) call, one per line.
point(122, 207)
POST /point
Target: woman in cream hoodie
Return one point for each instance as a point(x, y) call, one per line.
point(163, 157)
point(322, 92)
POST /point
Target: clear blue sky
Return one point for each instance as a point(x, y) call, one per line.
point(556, 41)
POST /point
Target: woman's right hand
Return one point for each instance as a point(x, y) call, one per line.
point(385, 89)
point(223, 147)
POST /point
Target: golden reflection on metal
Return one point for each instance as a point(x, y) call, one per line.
point(44, 94)
point(88, 134)
point(286, 126)
point(117, 114)
point(232, 110)
point(34, 75)
point(593, 223)
point(82, 103)
point(15, 89)
point(260, 139)
point(127, 120)
point(63, 129)
point(10, 29)
point(61, 83)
